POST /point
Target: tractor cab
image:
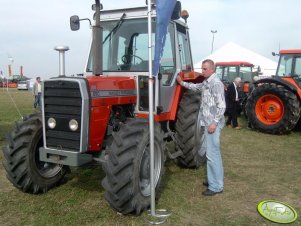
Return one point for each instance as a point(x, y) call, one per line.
point(125, 53)
point(228, 71)
point(289, 66)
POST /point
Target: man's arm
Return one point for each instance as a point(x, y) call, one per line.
point(219, 97)
point(188, 85)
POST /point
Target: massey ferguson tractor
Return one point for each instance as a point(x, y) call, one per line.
point(103, 117)
point(274, 105)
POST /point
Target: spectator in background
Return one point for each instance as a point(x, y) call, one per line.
point(232, 103)
point(37, 90)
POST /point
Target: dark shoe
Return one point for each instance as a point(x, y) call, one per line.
point(208, 192)
point(205, 183)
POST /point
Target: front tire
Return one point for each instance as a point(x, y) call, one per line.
point(127, 181)
point(273, 109)
point(21, 158)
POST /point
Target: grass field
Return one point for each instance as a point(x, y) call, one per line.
point(257, 167)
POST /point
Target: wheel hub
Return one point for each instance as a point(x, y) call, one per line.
point(269, 109)
point(144, 174)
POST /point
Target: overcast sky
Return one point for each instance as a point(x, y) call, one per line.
point(29, 30)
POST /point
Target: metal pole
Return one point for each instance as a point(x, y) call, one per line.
point(213, 32)
point(158, 218)
point(97, 41)
point(151, 109)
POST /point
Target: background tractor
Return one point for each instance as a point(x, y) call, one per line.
point(228, 71)
point(274, 105)
point(103, 117)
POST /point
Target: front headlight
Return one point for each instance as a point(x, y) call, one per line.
point(51, 123)
point(73, 125)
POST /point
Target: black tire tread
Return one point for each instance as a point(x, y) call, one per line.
point(186, 125)
point(290, 102)
point(16, 157)
point(120, 183)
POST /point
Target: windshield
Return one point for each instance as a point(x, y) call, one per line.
point(246, 74)
point(285, 65)
point(126, 48)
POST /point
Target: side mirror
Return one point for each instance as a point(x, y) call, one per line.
point(74, 23)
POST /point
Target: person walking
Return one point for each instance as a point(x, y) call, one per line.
point(232, 103)
point(211, 119)
point(37, 90)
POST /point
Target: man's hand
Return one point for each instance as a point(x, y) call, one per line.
point(179, 79)
point(211, 128)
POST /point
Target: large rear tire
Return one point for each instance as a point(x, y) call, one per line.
point(189, 137)
point(127, 181)
point(21, 158)
point(273, 109)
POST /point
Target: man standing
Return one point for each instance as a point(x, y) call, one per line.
point(232, 103)
point(211, 116)
point(37, 90)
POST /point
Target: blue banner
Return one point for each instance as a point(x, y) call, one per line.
point(164, 9)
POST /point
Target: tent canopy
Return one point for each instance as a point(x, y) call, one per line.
point(234, 52)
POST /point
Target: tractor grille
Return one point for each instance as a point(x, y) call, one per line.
point(62, 101)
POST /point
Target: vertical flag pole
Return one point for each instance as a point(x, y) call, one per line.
point(161, 216)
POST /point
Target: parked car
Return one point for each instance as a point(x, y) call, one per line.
point(22, 85)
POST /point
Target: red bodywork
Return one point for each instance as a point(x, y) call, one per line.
point(105, 93)
point(111, 91)
point(293, 82)
point(190, 76)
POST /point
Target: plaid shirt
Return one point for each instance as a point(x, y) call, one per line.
point(213, 103)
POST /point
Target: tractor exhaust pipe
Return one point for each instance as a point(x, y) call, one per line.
point(61, 50)
point(97, 40)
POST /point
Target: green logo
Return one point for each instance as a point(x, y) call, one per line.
point(278, 212)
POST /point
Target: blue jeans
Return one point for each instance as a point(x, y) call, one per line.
point(37, 100)
point(215, 170)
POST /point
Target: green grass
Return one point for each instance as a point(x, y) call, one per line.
point(257, 167)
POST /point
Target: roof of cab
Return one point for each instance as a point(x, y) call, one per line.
point(234, 63)
point(290, 51)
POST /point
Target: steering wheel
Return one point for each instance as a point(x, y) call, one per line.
point(125, 57)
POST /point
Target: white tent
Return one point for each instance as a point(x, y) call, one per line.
point(234, 52)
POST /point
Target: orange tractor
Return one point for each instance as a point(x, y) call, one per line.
point(274, 105)
point(103, 117)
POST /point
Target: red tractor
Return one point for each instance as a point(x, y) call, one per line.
point(228, 71)
point(103, 117)
point(274, 105)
